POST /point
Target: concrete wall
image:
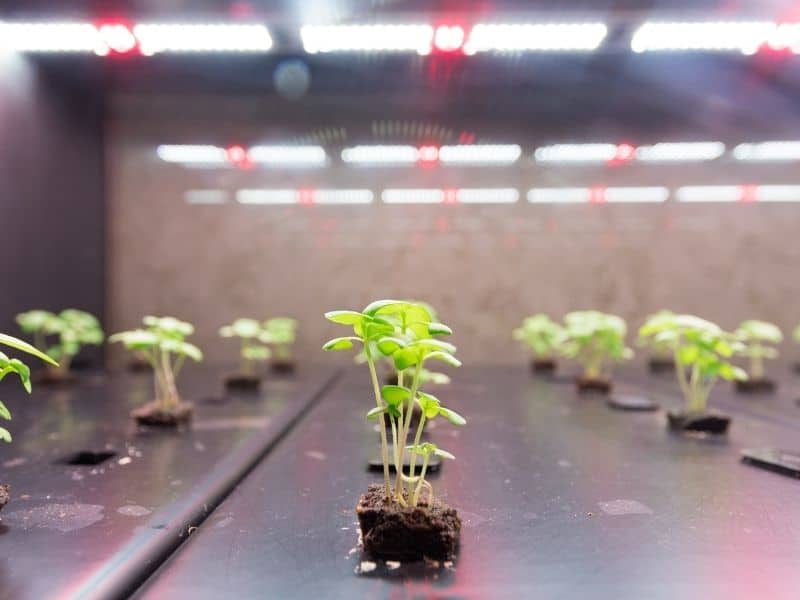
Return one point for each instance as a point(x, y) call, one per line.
point(483, 267)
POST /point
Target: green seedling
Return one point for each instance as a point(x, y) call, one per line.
point(406, 332)
point(163, 343)
point(280, 332)
point(595, 340)
point(73, 328)
point(542, 335)
point(700, 347)
point(759, 338)
point(659, 350)
point(15, 366)
point(249, 332)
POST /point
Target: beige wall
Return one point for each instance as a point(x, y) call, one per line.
point(483, 267)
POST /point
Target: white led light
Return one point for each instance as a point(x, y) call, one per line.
point(767, 151)
point(380, 155)
point(412, 196)
point(206, 196)
point(777, 193)
point(576, 153)
point(50, 37)
point(288, 156)
point(266, 196)
point(565, 195)
point(157, 37)
point(709, 193)
point(680, 152)
point(786, 36)
point(342, 196)
point(480, 154)
point(367, 38)
point(487, 195)
point(744, 37)
point(651, 194)
point(486, 37)
point(210, 155)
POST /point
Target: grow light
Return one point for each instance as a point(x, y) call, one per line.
point(532, 37)
point(786, 37)
point(448, 38)
point(480, 154)
point(767, 151)
point(266, 196)
point(50, 37)
point(342, 196)
point(710, 193)
point(161, 37)
point(680, 152)
point(563, 195)
point(367, 38)
point(380, 155)
point(188, 154)
point(206, 196)
point(648, 194)
point(413, 196)
point(777, 193)
point(288, 156)
point(744, 37)
point(487, 195)
point(576, 153)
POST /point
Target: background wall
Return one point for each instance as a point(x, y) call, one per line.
point(52, 210)
point(483, 267)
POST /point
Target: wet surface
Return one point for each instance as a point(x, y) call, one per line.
point(97, 503)
point(561, 497)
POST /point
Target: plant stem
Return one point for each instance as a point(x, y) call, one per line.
point(415, 499)
point(413, 460)
point(680, 372)
point(384, 446)
point(756, 363)
point(406, 427)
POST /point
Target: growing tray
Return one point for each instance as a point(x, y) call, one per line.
point(560, 496)
point(96, 531)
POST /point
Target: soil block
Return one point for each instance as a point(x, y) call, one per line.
point(698, 422)
point(5, 495)
point(588, 385)
point(774, 459)
point(392, 532)
point(283, 366)
point(632, 402)
point(243, 383)
point(543, 365)
point(661, 365)
point(153, 414)
point(52, 377)
point(756, 386)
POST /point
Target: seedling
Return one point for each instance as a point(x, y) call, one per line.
point(704, 350)
point(406, 332)
point(759, 338)
point(596, 340)
point(251, 351)
point(73, 329)
point(163, 342)
point(544, 337)
point(280, 332)
point(660, 352)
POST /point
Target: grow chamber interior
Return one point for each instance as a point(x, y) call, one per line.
point(219, 160)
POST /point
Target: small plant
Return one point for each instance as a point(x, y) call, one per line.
point(73, 329)
point(660, 352)
point(544, 337)
point(759, 339)
point(406, 332)
point(280, 332)
point(163, 343)
point(596, 340)
point(704, 350)
point(251, 350)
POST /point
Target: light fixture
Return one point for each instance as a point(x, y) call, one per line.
point(206, 196)
point(175, 37)
point(478, 154)
point(768, 151)
point(576, 153)
point(646, 194)
point(189, 154)
point(533, 37)
point(367, 38)
point(448, 38)
point(709, 193)
point(561, 195)
point(412, 196)
point(380, 155)
point(742, 36)
point(680, 152)
point(487, 195)
point(288, 156)
point(777, 193)
point(50, 37)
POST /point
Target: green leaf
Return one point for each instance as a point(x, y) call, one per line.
point(444, 454)
point(340, 343)
point(439, 329)
point(452, 416)
point(5, 435)
point(405, 358)
point(4, 412)
point(344, 317)
point(378, 410)
point(182, 348)
point(136, 339)
point(373, 307)
point(389, 345)
point(395, 394)
point(445, 357)
point(428, 404)
point(18, 344)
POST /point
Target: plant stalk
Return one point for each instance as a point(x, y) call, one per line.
point(384, 445)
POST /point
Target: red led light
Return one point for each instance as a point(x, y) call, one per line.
point(448, 38)
point(305, 196)
point(118, 38)
point(597, 195)
point(237, 156)
point(748, 193)
point(450, 197)
point(624, 153)
point(428, 154)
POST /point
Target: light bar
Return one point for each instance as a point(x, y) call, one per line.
point(576, 153)
point(206, 196)
point(564, 195)
point(288, 156)
point(680, 152)
point(342, 196)
point(50, 37)
point(487, 195)
point(650, 194)
point(266, 196)
point(380, 155)
point(367, 38)
point(744, 37)
point(304, 196)
point(206, 155)
point(709, 193)
point(777, 193)
point(412, 196)
point(480, 154)
point(786, 37)
point(767, 151)
point(535, 37)
point(155, 38)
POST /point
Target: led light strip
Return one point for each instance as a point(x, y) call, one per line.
point(744, 37)
point(206, 196)
point(709, 193)
point(680, 152)
point(288, 156)
point(768, 151)
point(575, 153)
point(380, 155)
point(480, 154)
point(304, 196)
point(50, 37)
point(158, 37)
point(529, 37)
point(276, 156)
